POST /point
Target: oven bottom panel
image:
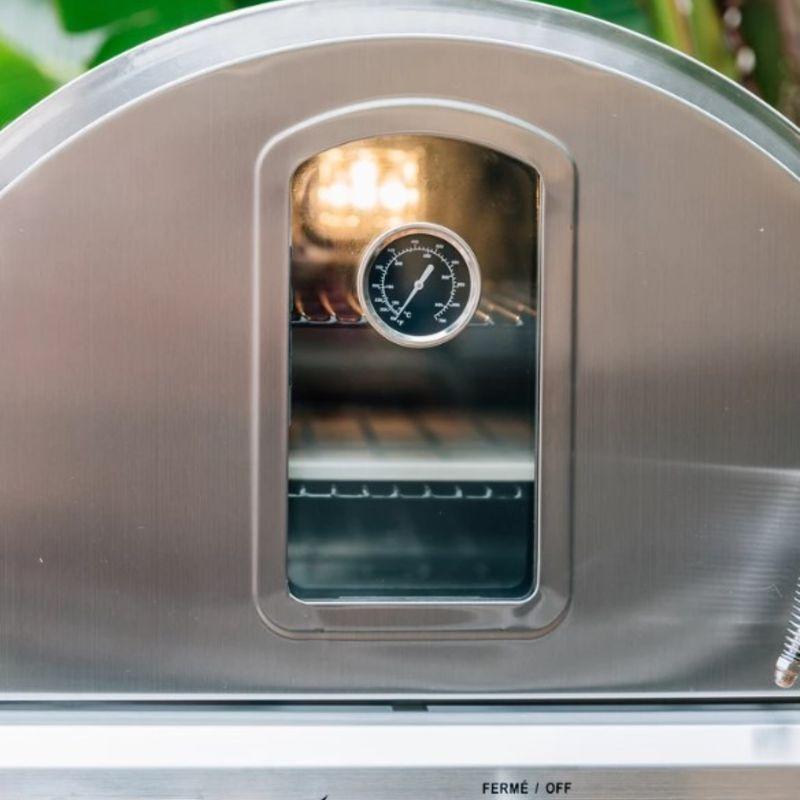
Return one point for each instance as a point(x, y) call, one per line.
point(380, 754)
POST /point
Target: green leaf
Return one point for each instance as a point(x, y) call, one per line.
point(86, 15)
point(670, 26)
point(126, 37)
point(708, 37)
point(572, 5)
point(627, 13)
point(22, 83)
point(159, 18)
point(695, 27)
point(761, 30)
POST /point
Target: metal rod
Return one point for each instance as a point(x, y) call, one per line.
point(394, 491)
point(299, 307)
point(483, 318)
point(352, 301)
point(325, 302)
point(517, 305)
point(787, 668)
point(494, 308)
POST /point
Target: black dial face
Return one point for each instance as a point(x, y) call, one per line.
point(419, 285)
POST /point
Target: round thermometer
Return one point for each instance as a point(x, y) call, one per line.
point(419, 284)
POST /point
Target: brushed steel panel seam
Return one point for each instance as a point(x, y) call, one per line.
point(251, 738)
point(637, 783)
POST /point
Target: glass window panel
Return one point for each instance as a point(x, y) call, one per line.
point(412, 440)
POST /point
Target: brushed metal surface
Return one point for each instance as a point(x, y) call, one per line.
point(125, 305)
point(248, 753)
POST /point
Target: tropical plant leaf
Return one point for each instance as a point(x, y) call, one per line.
point(127, 36)
point(627, 13)
point(159, 17)
point(708, 38)
point(761, 30)
point(22, 83)
point(670, 25)
point(695, 27)
point(86, 15)
point(572, 5)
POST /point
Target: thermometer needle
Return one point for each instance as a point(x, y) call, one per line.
point(418, 284)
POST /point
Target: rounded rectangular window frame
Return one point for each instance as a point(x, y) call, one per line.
point(540, 610)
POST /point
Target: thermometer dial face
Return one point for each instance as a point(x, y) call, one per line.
point(419, 284)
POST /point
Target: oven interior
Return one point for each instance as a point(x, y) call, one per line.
point(412, 469)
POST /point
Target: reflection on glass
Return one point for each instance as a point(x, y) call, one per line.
point(348, 191)
point(411, 472)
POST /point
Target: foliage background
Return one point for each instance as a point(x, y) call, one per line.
point(44, 43)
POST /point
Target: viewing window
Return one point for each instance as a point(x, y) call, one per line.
point(412, 444)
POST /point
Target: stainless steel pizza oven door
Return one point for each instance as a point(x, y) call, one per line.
point(406, 310)
point(417, 350)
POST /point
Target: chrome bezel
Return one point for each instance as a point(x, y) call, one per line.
point(455, 327)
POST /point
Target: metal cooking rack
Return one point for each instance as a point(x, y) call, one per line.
point(324, 308)
point(355, 446)
point(401, 491)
